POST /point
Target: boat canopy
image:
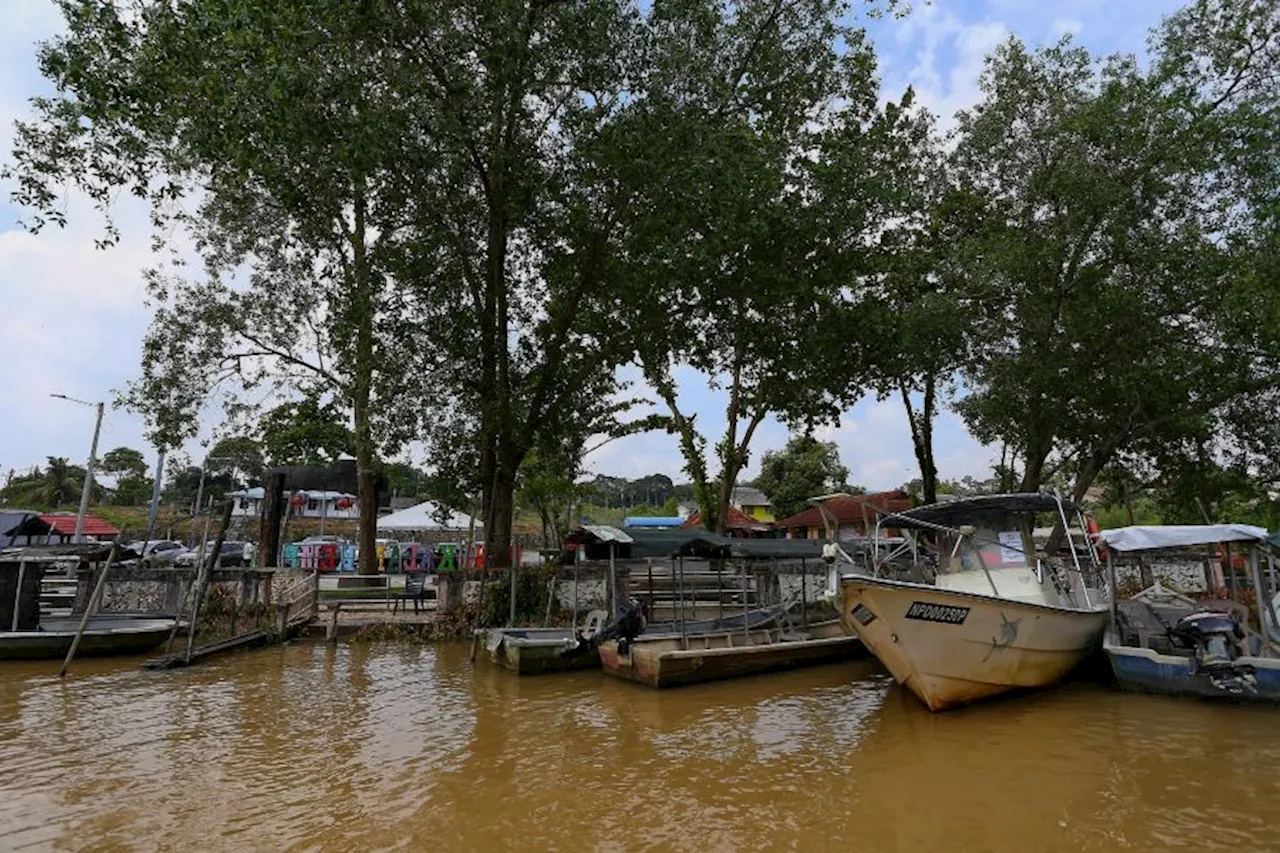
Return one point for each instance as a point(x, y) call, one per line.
point(1154, 537)
point(970, 510)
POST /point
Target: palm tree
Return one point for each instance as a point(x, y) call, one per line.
point(58, 485)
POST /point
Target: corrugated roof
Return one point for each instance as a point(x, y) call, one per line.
point(850, 509)
point(749, 496)
point(733, 518)
point(64, 524)
point(605, 533)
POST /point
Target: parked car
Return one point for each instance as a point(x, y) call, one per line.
point(325, 540)
point(231, 555)
point(158, 552)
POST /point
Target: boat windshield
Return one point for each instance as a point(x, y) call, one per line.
point(1001, 543)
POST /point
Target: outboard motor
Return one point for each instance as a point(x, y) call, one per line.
point(630, 624)
point(1215, 638)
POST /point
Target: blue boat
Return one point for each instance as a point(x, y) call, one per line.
point(1161, 641)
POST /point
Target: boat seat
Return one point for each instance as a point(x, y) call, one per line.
point(596, 620)
point(1145, 626)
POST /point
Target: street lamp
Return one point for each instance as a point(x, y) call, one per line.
point(88, 471)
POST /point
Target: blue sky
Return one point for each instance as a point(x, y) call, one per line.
point(72, 317)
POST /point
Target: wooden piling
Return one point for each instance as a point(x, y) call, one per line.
point(88, 610)
point(203, 579)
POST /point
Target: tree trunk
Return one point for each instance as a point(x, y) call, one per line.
point(1084, 481)
point(269, 529)
point(497, 535)
point(1033, 473)
point(922, 438)
point(362, 386)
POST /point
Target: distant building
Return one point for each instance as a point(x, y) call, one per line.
point(736, 523)
point(55, 528)
point(752, 502)
point(247, 503)
point(684, 509)
point(854, 516)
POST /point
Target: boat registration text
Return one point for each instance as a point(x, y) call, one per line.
point(944, 613)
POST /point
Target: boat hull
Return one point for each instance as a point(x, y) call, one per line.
point(103, 636)
point(534, 651)
point(1142, 670)
point(952, 648)
point(670, 661)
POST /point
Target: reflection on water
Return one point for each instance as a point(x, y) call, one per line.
point(391, 747)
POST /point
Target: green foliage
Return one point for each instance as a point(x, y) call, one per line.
point(803, 469)
point(752, 238)
point(239, 457)
point(123, 461)
point(1116, 259)
point(58, 485)
point(305, 432)
point(532, 589)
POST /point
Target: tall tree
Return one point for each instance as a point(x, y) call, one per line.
point(1114, 234)
point(277, 135)
point(803, 469)
point(755, 236)
point(123, 461)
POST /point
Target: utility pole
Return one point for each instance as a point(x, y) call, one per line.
point(88, 470)
point(155, 496)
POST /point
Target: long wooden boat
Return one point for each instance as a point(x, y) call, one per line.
point(534, 651)
point(671, 659)
point(104, 635)
point(994, 617)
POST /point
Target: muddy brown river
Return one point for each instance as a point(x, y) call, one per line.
point(388, 747)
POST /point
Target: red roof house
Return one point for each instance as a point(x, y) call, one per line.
point(64, 524)
point(737, 523)
point(854, 515)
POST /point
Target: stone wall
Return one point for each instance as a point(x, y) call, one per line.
point(170, 590)
point(1177, 572)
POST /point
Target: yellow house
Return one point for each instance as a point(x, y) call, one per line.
point(752, 502)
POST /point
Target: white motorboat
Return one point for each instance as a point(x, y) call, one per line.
point(975, 612)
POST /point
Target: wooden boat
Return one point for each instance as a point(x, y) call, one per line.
point(668, 660)
point(530, 651)
point(1161, 641)
point(987, 616)
point(107, 634)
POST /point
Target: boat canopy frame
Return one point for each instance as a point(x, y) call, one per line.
point(957, 518)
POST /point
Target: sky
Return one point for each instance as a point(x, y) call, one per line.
point(72, 316)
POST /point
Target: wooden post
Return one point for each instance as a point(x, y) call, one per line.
point(331, 635)
point(613, 582)
point(17, 596)
point(88, 611)
point(269, 529)
point(720, 589)
point(202, 580)
point(648, 562)
point(551, 594)
point(804, 590)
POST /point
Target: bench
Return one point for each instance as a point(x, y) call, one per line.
point(334, 606)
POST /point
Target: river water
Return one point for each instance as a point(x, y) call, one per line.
point(384, 747)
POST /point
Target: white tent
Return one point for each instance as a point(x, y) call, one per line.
point(1145, 538)
point(426, 516)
